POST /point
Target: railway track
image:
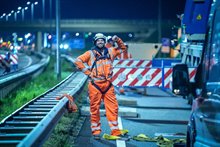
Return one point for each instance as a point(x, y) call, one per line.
point(10, 81)
point(31, 124)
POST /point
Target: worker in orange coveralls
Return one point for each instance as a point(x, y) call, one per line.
point(109, 42)
point(100, 71)
point(125, 54)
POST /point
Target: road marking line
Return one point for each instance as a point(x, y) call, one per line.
point(120, 143)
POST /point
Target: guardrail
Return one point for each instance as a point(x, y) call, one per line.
point(31, 124)
point(10, 81)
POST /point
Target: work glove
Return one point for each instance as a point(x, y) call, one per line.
point(115, 38)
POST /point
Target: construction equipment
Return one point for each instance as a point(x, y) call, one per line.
point(203, 127)
point(194, 29)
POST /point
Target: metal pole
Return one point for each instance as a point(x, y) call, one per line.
point(22, 12)
point(43, 9)
point(51, 24)
point(32, 12)
point(50, 9)
point(159, 21)
point(58, 68)
point(15, 16)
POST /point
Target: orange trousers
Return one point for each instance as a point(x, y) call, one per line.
point(111, 107)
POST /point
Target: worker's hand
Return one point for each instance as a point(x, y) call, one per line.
point(115, 38)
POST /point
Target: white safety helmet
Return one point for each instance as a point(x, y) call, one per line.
point(99, 36)
point(109, 38)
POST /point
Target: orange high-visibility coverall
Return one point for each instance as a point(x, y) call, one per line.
point(124, 55)
point(108, 45)
point(101, 75)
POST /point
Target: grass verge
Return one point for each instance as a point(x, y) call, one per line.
point(66, 131)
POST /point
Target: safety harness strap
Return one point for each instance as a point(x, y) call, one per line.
point(99, 57)
point(97, 87)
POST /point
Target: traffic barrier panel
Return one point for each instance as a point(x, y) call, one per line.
point(2, 56)
point(146, 63)
point(132, 63)
point(146, 77)
point(137, 77)
point(14, 59)
point(168, 71)
point(164, 62)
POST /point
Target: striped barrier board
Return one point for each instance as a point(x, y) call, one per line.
point(2, 56)
point(14, 59)
point(168, 75)
point(132, 63)
point(137, 77)
point(192, 73)
point(146, 77)
point(146, 63)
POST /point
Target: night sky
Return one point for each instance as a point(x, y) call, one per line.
point(102, 9)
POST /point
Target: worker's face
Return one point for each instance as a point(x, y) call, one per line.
point(112, 43)
point(100, 43)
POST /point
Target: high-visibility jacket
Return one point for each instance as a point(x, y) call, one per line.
point(98, 65)
point(125, 55)
point(108, 45)
point(104, 69)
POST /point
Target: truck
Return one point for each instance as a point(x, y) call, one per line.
point(203, 128)
point(194, 29)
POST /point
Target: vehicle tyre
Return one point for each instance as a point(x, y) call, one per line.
point(188, 140)
point(190, 99)
point(191, 135)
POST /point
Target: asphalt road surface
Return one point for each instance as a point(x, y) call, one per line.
point(158, 113)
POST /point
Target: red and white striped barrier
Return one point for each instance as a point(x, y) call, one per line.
point(192, 73)
point(14, 59)
point(146, 77)
point(2, 56)
point(137, 77)
point(168, 75)
point(132, 63)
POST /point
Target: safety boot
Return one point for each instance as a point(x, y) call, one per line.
point(119, 132)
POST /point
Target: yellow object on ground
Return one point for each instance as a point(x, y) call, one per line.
point(110, 137)
point(163, 142)
point(124, 131)
point(143, 137)
point(160, 140)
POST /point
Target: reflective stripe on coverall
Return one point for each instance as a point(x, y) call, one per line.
point(102, 79)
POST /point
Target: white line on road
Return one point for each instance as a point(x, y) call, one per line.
point(120, 143)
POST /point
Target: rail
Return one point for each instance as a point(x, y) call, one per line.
point(31, 124)
point(10, 81)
